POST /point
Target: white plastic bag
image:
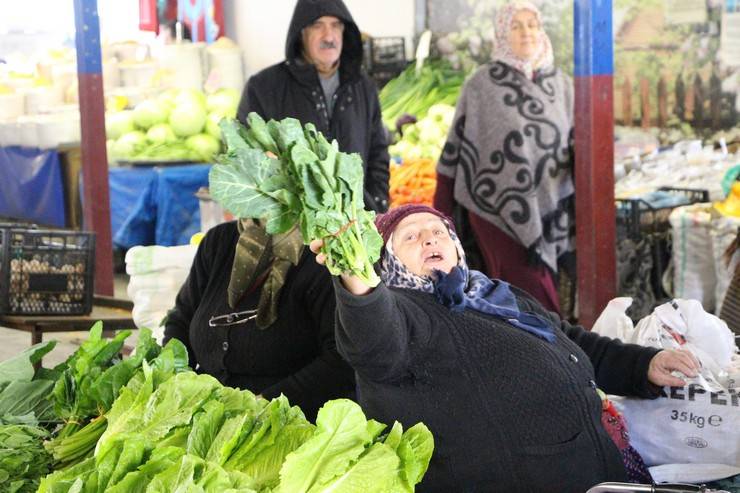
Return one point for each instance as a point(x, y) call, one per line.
point(157, 274)
point(148, 259)
point(685, 425)
point(692, 473)
point(614, 322)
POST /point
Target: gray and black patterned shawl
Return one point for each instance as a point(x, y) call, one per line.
point(510, 153)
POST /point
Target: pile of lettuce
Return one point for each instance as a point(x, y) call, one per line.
point(91, 381)
point(189, 433)
point(286, 174)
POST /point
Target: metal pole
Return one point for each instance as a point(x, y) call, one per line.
point(594, 151)
point(421, 22)
point(96, 199)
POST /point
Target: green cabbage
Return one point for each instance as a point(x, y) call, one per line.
point(129, 144)
point(149, 113)
point(119, 123)
point(161, 133)
point(187, 119)
point(212, 127)
point(204, 146)
point(186, 97)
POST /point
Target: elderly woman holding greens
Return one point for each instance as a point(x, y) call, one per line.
point(506, 387)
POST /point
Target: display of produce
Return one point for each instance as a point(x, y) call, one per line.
point(414, 179)
point(426, 137)
point(685, 165)
point(179, 125)
point(162, 427)
point(413, 93)
point(289, 174)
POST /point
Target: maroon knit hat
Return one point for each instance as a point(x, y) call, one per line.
point(387, 222)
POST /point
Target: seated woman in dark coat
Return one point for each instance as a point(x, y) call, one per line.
point(257, 313)
point(506, 387)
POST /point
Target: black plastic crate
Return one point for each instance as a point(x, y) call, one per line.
point(387, 51)
point(46, 272)
point(387, 54)
point(636, 217)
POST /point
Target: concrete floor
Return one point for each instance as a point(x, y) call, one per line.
point(14, 341)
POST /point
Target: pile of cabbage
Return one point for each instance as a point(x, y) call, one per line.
point(178, 125)
point(425, 138)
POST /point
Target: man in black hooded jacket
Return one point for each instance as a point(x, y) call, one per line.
point(320, 81)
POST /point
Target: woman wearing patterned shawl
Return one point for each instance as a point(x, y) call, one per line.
point(508, 158)
point(507, 388)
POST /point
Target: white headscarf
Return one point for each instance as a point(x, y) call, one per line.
point(503, 52)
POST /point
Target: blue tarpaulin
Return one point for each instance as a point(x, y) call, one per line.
point(156, 206)
point(31, 185)
point(132, 205)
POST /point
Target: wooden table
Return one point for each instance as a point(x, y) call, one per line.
point(114, 313)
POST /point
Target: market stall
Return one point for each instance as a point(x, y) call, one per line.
point(659, 210)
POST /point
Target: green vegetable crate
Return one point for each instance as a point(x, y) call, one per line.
point(46, 272)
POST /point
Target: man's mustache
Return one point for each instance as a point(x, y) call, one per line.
point(327, 45)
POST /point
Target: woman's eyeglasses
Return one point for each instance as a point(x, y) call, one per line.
point(234, 318)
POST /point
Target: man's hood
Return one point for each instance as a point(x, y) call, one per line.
point(307, 11)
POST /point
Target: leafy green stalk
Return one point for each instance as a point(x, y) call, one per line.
point(78, 446)
point(309, 182)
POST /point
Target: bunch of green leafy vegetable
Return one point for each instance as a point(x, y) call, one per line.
point(94, 375)
point(91, 383)
point(23, 459)
point(309, 182)
point(414, 93)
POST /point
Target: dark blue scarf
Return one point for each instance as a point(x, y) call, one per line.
point(490, 296)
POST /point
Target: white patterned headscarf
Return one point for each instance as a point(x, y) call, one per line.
point(543, 58)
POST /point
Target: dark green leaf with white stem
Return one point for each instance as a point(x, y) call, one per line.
point(236, 186)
